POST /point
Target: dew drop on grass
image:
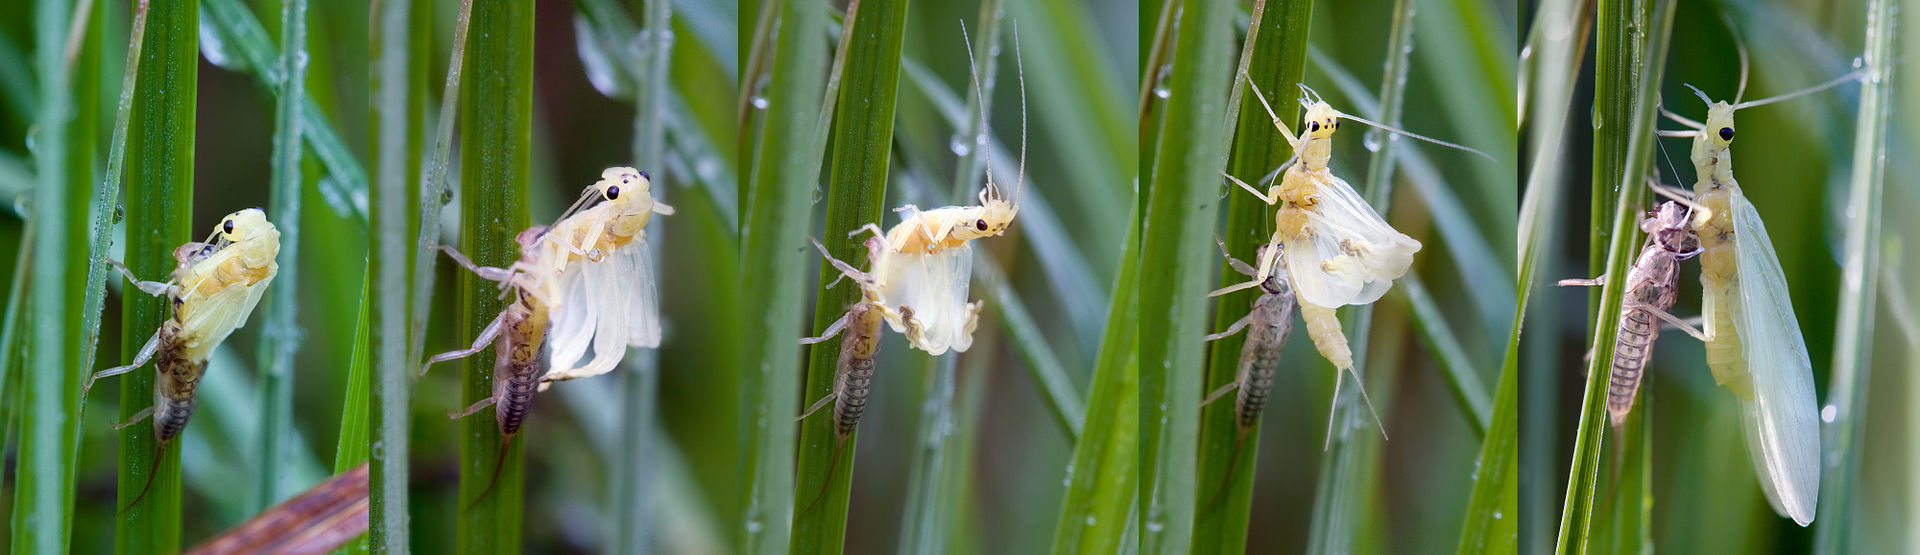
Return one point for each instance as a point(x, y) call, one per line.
point(959, 146)
point(1827, 413)
point(760, 103)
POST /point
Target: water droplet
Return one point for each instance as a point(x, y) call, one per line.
point(1371, 140)
point(214, 46)
point(1155, 526)
point(707, 169)
point(1859, 62)
point(1091, 520)
point(1162, 92)
point(1827, 413)
point(753, 526)
point(1497, 515)
point(959, 146)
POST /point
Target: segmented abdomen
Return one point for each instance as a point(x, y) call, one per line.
point(175, 383)
point(1324, 327)
point(856, 363)
point(1258, 357)
point(1630, 353)
point(517, 369)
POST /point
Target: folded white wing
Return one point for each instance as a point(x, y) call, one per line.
point(211, 318)
point(1352, 255)
point(611, 305)
point(934, 287)
point(1782, 418)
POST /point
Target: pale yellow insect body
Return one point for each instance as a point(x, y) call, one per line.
point(605, 289)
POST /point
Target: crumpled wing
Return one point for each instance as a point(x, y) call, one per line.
point(1351, 255)
point(643, 305)
point(255, 291)
point(1782, 419)
point(211, 317)
point(573, 322)
point(934, 287)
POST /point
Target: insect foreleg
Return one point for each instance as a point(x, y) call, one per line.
point(479, 344)
point(146, 355)
point(1236, 287)
point(1267, 260)
point(1217, 393)
point(661, 208)
point(154, 288)
point(846, 270)
point(1579, 282)
point(488, 273)
point(817, 405)
point(832, 330)
point(920, 217)
point(1682, 325)
point(1270, 200)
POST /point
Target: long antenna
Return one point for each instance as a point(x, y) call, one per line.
point(1739, 45)
point(1020, 182)
point(1849, 76)
point(1347, 116)
point(980, 103)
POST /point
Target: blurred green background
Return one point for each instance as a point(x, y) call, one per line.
point(1794, 162)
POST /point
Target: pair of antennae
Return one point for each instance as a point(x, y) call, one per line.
point(980, 98)
point(1740, 92)
point(1310, 97)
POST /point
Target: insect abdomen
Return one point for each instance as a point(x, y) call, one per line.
point(856, 363)
point(1260, 355)
point(517, 370)
point(175, 383)
point(1630, 353)
point(1324, 328)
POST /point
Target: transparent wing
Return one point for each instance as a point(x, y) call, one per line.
point(1782, 418)
point(613, 286)
point(1352, 256)
point(211, 317)
point(934, 286)
point(643, 306)
point(571, 329)
point(254, 292)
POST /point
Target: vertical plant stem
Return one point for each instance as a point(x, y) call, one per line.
point(1177, 271)
point(352, 449)
point(1274, 57)
point(43, 508)
point(398, 101)
point(1853, 336)
point(493, 207)
point(873, 35)
point(281, 338)
point(1629, 73)
point(772, 245)
point(633, 476)
point(1103, 478)
point(159, 218)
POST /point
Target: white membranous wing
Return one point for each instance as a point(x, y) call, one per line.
point(934, 287)
point(1353, 256)
point(1781, 420)
point(643, 304)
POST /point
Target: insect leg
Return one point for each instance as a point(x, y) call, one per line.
point(1237, 327)
point(146, 354)
point(846, 270)
point(1267, 260)
point(1682, 325)
point(137, 417)
point(488, 273)
point(473, 408)
point(817, 405)
point(661, 208)
point(1579, 282)
point(832, 330)
point(1211, 397)
point(920, 217)
point(1234, 287)
point(1270, 200)
point(154, 288)
point(479, 344)
point(1236, 263)
point(1682, 120)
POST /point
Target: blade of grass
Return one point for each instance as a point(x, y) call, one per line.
point(43, 502)
point(1103, 478)
point(352, 449)
point(1493, 521)
point(498, 112)
point(1852, 355)
point(280, 337)
point(400, 71)
point(159, 215)
point(1629, 74)
point(1257, 149)
point(238, 26)
point(1180, 214)
point(787, 164)
point(873, 35)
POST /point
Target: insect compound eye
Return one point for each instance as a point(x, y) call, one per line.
point(613, 192)
point(980, 225)
point(227, 227)
point(1726, 133)
point(643, 175)
point(1313, 126)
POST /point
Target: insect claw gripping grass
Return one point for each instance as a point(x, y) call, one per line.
point(517, 334)
point(214, 287)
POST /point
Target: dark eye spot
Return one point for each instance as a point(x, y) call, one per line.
point(643, 175)
point(1726, 133)
point(1313, 126)
point(228, 226)
point(613, 192)
point(980, 225)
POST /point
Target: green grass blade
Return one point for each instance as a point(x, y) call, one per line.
point(159, 201)
point(498, 131)
point(280, 338)
point(1493, 518)
point(1277, 37)
point(1853, 337)
point(1628, 77)
point(1180, 215)
point(352, 449)
point(240, 29)
point(863, 137)
point(398, 99)
point(786, 166)
point(43, 502)
point(1103, 480)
